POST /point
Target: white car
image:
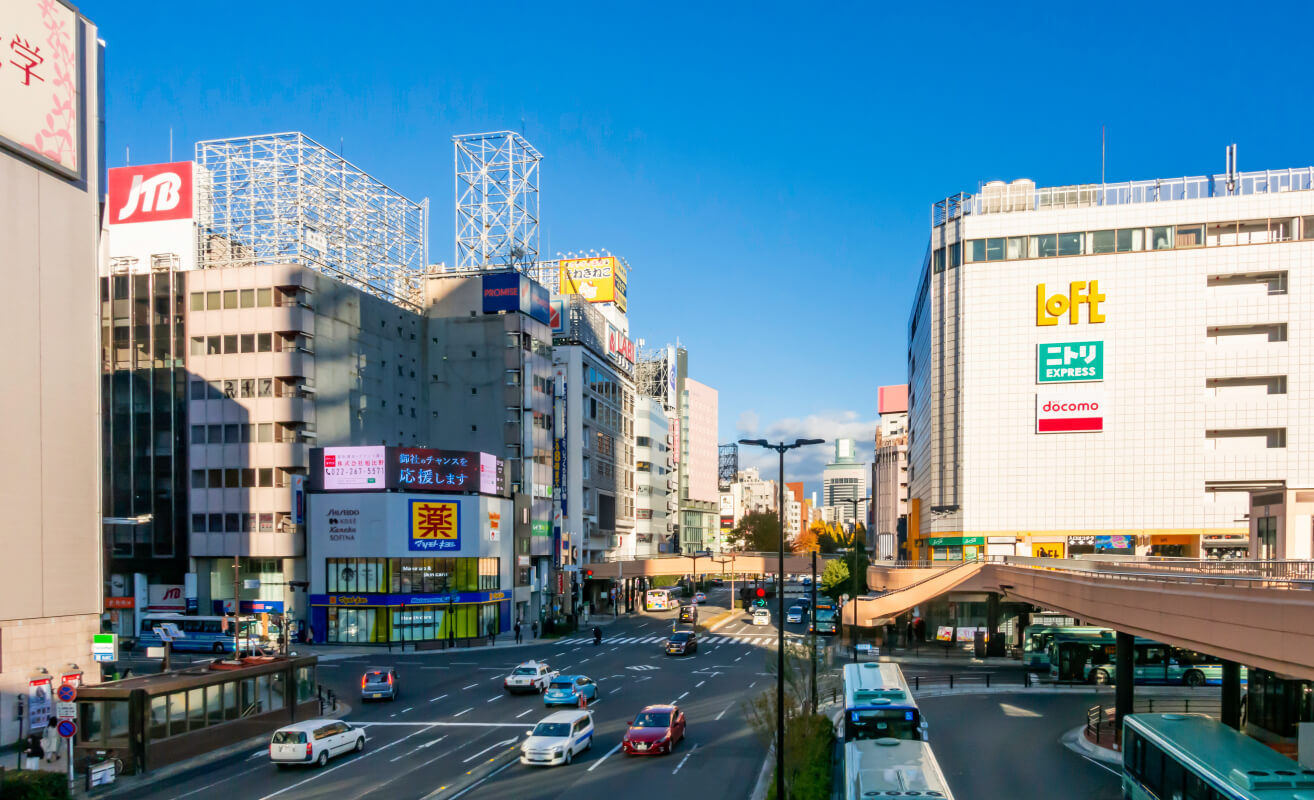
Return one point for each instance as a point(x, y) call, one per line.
point(761, 616)
point(531, 676)
point(314, 741)
point(558, 738)
point(794, 614)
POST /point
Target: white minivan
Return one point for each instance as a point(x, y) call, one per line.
point(761, 616)
point(558, 738)
point(314, 741)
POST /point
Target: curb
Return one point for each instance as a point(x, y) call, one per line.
point(1076, 741)
point(763, 784)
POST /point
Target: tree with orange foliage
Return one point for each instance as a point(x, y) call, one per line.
point(809, 541)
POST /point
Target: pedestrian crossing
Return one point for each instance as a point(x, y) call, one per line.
point(703, 640)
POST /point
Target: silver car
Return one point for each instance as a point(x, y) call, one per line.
point(379, 683)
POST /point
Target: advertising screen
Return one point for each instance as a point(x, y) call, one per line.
point(347, 468)
point(492, 475)
point(540, 307)
point(41, 108)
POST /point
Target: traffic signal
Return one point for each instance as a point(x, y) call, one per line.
point(588, 573)
point(760, 593)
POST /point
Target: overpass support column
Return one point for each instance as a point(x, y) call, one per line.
point(994, 645)
point(1232, 694)
point(1124, 699)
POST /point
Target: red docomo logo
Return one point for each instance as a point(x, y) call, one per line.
point(1052, 406)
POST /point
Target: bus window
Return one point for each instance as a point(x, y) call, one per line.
point(1155, 655)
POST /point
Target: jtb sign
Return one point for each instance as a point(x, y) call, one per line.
point(150, 193)
point(1050, 308)
point(1067, 362)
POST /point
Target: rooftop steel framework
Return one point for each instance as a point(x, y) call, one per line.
point(727, 465)
point(283, 197)
point(496, 201)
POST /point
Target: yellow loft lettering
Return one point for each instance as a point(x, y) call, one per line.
point(1049, 309)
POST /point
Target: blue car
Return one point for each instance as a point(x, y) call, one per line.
point(566, 690)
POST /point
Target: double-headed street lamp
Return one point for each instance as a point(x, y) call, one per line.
point(781, 447)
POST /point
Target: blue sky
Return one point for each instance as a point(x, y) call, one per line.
point(767, 169)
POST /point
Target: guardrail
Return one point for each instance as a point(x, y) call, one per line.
point(1101, 720)
point(1265, 573)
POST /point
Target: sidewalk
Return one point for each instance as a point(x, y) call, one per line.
point(1076, 741)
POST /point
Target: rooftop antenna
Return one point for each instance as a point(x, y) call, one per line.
point(127, 156)
point(1102, 139)
point(171, 143)
point(1231, 168)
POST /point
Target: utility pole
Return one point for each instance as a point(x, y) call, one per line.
point(812, 636)
point(237, 606)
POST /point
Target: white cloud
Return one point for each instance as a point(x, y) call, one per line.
point(806, 463)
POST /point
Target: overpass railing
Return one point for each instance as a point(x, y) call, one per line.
point(1268, 572)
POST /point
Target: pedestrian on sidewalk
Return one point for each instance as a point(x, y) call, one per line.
point(50, 740)
point(533, 628)
point(517, 629)
point(32, 752)
point(492, 633)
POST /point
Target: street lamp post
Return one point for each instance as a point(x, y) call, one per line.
point(723, 562)
point(781, 447)
point(853, 574)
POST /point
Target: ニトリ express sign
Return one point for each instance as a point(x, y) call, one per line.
point(1069, 362)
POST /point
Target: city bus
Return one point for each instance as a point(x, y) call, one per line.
point(1193, 756)
point(879, 705)
point(1152, 663)
point(892, 767)
point(205, 634)
point(824, 618)
point(659, 599)
point(1036, 640)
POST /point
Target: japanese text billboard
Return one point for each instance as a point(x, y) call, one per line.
point(353, 468)
point(594, 279)
point(1069, 362)
point(41, 55)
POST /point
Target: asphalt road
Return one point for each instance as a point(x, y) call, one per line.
point(1008, 745)
point(454, 731)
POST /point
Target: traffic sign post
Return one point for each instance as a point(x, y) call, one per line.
point(105, 646)
point(67, 728)
point(66, 710)
point(66, 693)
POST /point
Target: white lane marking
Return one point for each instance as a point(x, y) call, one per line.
point(686, 758)
point(216, 783)
point(441, 724)
point(604, 758)
point(257, 754)
point(497, 697)
point(496, 677)
point(418, 748)
point(559, 655)
point(751, 685)
point(522, 713)
point(1101, 766)
point(472, 786)
point(739, 658)
point(696, 685)
point(464, 663)
point(459, 713)
point(681, 697)
point(343, 764)
point(436, 699)
point(405, 710)
point(486, 749)
point(471, 686)
point(582, 660)
point(609, 691)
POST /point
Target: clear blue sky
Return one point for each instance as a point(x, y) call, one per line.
point(767, 169)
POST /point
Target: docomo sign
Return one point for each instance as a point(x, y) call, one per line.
point(1077, 412)
point(150, 193)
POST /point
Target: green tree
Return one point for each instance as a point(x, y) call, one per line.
point(758, 531)
point(835, 578)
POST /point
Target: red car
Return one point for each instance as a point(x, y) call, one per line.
point(655, 730)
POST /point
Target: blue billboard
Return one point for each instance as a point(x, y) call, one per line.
point(540, 305)
point(502, 292)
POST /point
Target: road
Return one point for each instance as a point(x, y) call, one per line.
point(1007, 745)
point(455, 732)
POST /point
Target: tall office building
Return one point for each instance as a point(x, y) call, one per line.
point(1137, 370)
point(51, 182)
point(657, 375)
point(842, 480)
point(889, 474)
point(699, 495)
point(654, 476)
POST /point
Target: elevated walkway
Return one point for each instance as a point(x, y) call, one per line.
point(1256, 613)
point(716, 564)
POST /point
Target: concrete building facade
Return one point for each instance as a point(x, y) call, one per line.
point(844, 479)
point(656, 498)
point(699, 493)
point(889, 475)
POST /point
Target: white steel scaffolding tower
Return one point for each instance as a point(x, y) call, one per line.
point(285, 198)
point(496, 201)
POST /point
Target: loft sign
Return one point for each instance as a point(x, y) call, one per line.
point(1050, 307)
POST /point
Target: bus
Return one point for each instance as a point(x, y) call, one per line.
point(1152, 663)
point(824, 618)
point(892, 767)
point(659, 599)
point(879, 705)
point(206, 634)
point(1036, 639)
point(1193, 756)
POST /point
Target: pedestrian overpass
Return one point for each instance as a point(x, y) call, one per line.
point(1258, 613)
point(711, 566)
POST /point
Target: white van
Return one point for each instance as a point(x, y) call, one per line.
point(761, 616)
point(558, 738)
point(314, 741)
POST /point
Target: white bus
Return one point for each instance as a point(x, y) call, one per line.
point(878, 704)
point(892, 767)
point(659, 599)
point(205, 634)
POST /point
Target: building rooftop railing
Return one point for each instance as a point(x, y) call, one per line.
point(1023, 195)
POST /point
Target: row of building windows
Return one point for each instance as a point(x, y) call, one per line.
point(231, 522)
point(1125, 240)
point(234, 388)
point(233, 343)
point(238, 433)
point(241, 478)
point(411, 575)
point(248, 298)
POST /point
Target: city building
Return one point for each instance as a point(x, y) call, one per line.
point(654, 478)
point(699, 495)
point(797, 514)
point(842, 480)
point(489, 355)
point(1132, 387)
point(656, 374)
point(889, 475)
point(51, 594)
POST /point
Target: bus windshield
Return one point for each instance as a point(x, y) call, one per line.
point(825, 614)
point(879, 723)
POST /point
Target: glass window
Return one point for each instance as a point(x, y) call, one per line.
point(955, 254)
point(265, 432)
point(1015, 247)
point(212, 301)
point(1104, 241)
point(1071, 244)
point(264, 342)
point(90, 716)
point(264, 297)
point(937, 262)
point(1161, 238)
point(214, 704)
point(230, 343)
point(198, 520)
point(159, 723)
point(230, 700)
point(266, 387)
point(976, 250)
point(198, 346)
point(213, 345)
point(994, 249)
point(248, 298)
point(230, 298)
point(198, 301)
point(306, 684)
point(1190, 236)
point(1131, 240)
point(248, 387)
point(248, 342)
point(1046, 246)
point(195, 709)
